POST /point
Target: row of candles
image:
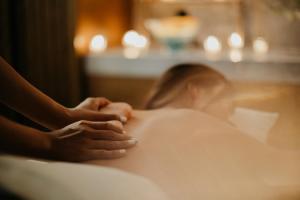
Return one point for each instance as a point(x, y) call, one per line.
point(135, 44)
point(213, 46)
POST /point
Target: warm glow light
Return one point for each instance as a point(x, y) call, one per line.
point(98, 44)
point(131, 53)
point(260, 46)
point(129, 38)
point(79, 43)
point(235, 40)
point(212, 44)
point(134, 39)
point(235, 55)
point(134, 44)
point(142, 42)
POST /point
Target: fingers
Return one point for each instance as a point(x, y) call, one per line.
point(101, 102)
point(106, 154)
point(96, 116)
point(106, 135)
point(118, 108)
point(87, 140)
point(117, 124)
point(111, 125)
point(111, 145)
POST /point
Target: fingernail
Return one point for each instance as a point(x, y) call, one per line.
point(132, 141)
point(123, 119)
point(122, 151)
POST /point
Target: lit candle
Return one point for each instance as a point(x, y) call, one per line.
point(212, 45)
point(235, 41)
point(79, 44)
point(129, 38)
point(98, 44)
point(260, 46)
point(141, 42)
point(134, 44)
point(134, 39)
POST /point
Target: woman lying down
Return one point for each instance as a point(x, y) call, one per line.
point(190, 151)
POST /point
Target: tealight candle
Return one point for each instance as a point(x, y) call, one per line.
point(79, 44)
point(235, 41)
point(134, 39)
point(212, 45)
point(98, 44)
point(134, 44)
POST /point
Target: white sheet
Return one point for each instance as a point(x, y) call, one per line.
point(254, 123)
point(36, 180)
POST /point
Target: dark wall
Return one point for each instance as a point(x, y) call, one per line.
point(36, 38)
point(5, 40)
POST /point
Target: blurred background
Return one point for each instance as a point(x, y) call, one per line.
point(72, 49)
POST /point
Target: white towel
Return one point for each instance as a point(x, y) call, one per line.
point(254, 123)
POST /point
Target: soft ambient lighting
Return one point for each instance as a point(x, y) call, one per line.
point(235, 55)
point(134, 44)
point(212, 44)
point(131, 53)
point(134, 39)
point(98, 44)
point(260, 46)
point(79, 43)
point(235, 41)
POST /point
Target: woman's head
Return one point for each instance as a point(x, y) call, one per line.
point(194, 86)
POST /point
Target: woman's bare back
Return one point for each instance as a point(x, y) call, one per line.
point(191, 155)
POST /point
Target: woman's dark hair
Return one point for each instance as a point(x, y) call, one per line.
point(175, 80)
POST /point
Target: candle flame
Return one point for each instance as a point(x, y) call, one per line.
point(212, 44)
point(235, 40)
point(98, 44)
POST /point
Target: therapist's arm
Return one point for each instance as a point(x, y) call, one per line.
point(80, 141)
point(21, 96)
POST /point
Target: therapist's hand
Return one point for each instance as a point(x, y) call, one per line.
point(86, 140)
point(89, 110)
point(118, 108)
point(93, 103)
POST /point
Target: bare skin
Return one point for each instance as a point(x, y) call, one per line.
point(77, 134)
point(192, 155)
point(24, 98)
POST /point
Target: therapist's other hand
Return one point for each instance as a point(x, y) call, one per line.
point(106, 107)
point(118, 108)
point(87, 140)
point(89, 110)
point(93, 103)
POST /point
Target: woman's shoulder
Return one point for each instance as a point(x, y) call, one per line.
point(181, 121)
point(190, 116)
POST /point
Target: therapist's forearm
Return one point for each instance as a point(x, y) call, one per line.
point(20, 95)
point(19, 139)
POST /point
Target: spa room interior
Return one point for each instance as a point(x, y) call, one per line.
point(73, 50)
